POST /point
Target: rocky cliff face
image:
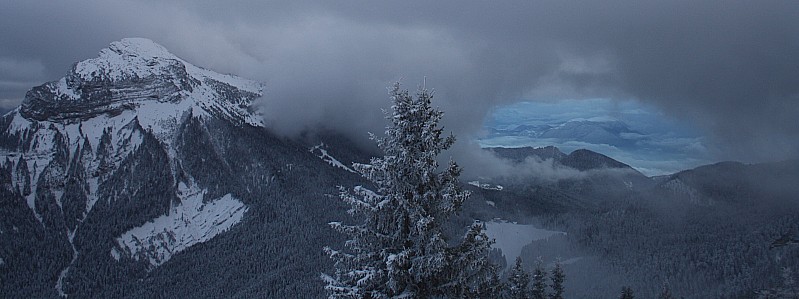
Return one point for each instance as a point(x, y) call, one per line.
point(131, 158)
point(133, 73)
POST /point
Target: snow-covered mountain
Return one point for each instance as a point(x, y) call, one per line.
point(140, 76)
point(131, 158)
point(74, 134)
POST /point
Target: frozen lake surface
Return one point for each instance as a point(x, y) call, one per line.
point(511, 237)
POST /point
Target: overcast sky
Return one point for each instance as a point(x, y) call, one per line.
point(729, 67)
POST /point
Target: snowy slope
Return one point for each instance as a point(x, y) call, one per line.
point(486, 186)
point(141, 58)
point(46, 139)
point(186, 224)
point(123, 61)
point(80, 140)
point(138, 74)
point(321, 152)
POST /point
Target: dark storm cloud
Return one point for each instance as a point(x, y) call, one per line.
point(730, 66)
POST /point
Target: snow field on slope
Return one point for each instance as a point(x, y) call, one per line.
point(325, 156)
point(123, 140)
point(186, 224)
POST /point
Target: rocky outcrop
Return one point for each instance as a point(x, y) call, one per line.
point(129, 73)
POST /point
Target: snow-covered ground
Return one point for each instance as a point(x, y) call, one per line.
point(186, 224)
point(511, 237)
point(486, 186)
point(324, 155)
point(141, 57)
point(124, 140)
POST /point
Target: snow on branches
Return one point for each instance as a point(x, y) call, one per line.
point(399, 250)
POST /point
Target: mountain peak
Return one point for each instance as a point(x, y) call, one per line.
point(129, 58)
point(134, 73)
point(138, 46)
point(583, 159)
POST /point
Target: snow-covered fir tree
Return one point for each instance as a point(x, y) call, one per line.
point(539, 290)
point(789, 288)
point(665, 291)
point(518, 281)
point(626, 293)
point(490, 288)
point(557, 282)
point(399, 250)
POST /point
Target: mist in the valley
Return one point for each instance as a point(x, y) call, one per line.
point(711, 232)
point(482, 164)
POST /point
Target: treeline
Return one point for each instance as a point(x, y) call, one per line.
point(275, 252)
point(721, 251)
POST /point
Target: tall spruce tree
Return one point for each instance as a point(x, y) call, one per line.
point(399, 250)
point(665, 291)
point(626, 293)
point(539, 281)
point(518, 281)
point(557, 282)
point(789, 289)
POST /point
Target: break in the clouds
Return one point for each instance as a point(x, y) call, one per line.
point(628, 131)
point(730, 67)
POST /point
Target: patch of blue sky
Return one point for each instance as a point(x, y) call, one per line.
point(629, 131)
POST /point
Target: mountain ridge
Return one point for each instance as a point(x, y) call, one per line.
point(580, 159)
point(125, 162)
point(135, 73)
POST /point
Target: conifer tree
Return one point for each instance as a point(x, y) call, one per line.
point(788, 283)
point(490, 288)
point(518, 281)
point(539, 282)
point(626, 293)
point(557, 282)
point(399, 250)
point(665, 292)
